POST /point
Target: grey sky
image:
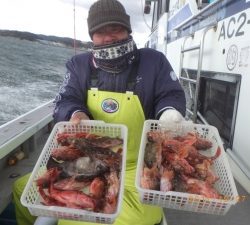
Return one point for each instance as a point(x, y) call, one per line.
point(56, 17)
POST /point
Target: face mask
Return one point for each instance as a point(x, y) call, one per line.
point(116, 57)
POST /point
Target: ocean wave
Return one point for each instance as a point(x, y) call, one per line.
point(30, 73)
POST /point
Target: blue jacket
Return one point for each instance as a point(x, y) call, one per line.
point(153, 81)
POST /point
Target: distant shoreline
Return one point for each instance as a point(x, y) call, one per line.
point(45, 39)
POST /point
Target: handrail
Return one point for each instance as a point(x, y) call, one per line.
point(199, 70)
point(16, 132)
point(199, 47)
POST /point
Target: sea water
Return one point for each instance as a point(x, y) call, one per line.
point(30, 75)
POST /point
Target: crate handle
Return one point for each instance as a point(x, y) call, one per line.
point(93, 122)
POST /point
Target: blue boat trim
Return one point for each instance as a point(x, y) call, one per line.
point(218, 11)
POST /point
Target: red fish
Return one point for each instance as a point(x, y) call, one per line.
point(73, 199)
point(150, 178)
point(66, 153)
point(205, 172)
point(96, 188)
point(89, 139)
point(109, 208)
point(46, 178)
point(167, 176)
point(196, 141)
point(70, 184)
point(199, 187)
point(113, 186)
point(179, 164)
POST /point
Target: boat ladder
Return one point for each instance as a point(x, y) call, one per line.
point(186, 78)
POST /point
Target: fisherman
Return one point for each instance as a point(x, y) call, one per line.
point(131, 85)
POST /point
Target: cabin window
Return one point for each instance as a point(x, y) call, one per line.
point(218, 100)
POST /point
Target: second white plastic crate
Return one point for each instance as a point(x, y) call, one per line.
point(186, 201)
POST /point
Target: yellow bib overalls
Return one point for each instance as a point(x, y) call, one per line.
point(129, 112)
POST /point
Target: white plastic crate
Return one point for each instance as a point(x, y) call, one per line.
point(186, 201)
point(31, 197)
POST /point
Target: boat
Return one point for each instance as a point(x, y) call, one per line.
point(207, 43)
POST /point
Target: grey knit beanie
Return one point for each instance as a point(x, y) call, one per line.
point(105, 12)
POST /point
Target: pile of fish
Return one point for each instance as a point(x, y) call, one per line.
point(176, 164)
point(83, 173)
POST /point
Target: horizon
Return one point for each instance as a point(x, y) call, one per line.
point(47, 35)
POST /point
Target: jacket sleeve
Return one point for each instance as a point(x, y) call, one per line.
point(168, 91)
point(72, 94)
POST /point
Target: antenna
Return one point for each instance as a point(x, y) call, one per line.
point(74, 9)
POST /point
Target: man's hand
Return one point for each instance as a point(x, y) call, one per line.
point(171, 115)
point(78, 116)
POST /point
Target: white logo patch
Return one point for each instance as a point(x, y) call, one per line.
point(110, 105)
point(65, 83)
point(173, 76)
point(62, 87)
